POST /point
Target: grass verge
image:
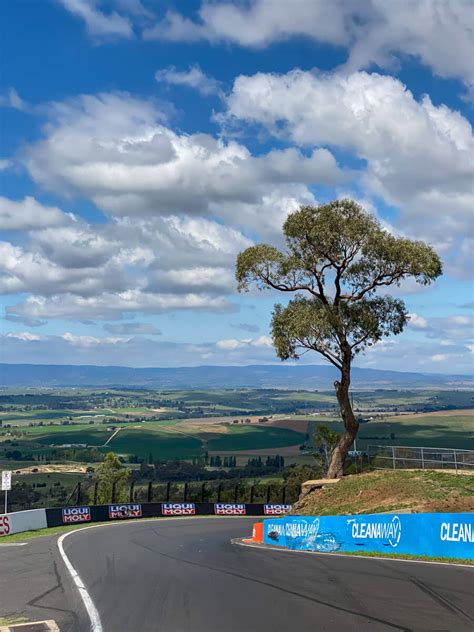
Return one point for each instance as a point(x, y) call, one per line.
point(387, 490)
point(415, 558)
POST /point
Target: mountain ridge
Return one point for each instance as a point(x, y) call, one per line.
point(311, 376)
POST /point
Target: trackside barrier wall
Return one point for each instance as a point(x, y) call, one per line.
point(99, 513)
point(431, 534)
point(19, 521)
point(33, 519)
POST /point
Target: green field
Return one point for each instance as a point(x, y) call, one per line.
point(161, 445)
point(444, 431)
point(254, 437)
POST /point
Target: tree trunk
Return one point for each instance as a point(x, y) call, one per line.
point(351, 425)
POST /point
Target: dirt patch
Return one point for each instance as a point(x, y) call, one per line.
point(52, 469)
point(440, 413)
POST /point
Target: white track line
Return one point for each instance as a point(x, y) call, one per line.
point(96, 625)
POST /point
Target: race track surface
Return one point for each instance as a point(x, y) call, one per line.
point(186, 576)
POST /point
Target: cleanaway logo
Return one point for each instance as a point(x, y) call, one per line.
point(457, 532)
point(302, 529)
point(388, 531)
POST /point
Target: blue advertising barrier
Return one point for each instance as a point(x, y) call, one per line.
point(432, 534)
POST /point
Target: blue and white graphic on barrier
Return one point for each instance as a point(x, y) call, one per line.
point(439, 535)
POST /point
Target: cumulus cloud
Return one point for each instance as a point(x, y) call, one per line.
point(372, 31)
point(28, 214)
point(419, 156)
point(109, 306)
point(193, 78)
point(98, 23)
point(132, 164)
point(82, 271)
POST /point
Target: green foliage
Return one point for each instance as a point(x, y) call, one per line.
point(325, 440)
point(109, 473)
point(341, 245)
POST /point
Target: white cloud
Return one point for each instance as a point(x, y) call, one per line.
point(91, 341)
point(258, 24)
point(418, 322)
point(5, 164)
point(114, 150)
point(419, 156)
point(439, 357)
point(193, 78)
point(166, 263)
point(99, 24)
point(108, 306)
point(28, 214)
point(11, 99)
point(231, 344)
point(439, 33)
point(25, 336)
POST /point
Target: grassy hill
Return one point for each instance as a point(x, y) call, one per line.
point(377, 492)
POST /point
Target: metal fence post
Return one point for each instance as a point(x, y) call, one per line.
point(268, 493)
point(455, 461)
point(112, 500)
point(236, 493)
point(132, 485)
point(422, 459)
point(185, 492)
point(149, 494)
point(219, 490)
point(283, 494)
point(168, 491)
point(203, 492)
point(96, 489)
point(78, 498)
point(393, 458)
point(252, 491)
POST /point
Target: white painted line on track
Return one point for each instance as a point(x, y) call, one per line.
point(13, 544)
point(270, 547)
point(96, 625)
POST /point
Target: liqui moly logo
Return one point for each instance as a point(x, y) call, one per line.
point(76, 514)
point(124, 511)
point(229, 509)
point(276, 510)
point(178, 509)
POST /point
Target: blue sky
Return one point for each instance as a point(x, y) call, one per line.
point(145, 143)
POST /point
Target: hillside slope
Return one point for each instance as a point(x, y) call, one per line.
point(383, 491)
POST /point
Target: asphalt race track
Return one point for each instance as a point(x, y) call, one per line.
point(185, 576)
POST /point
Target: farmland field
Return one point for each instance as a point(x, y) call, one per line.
point(185, 424)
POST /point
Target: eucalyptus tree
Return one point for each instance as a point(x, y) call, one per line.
point(337, 261)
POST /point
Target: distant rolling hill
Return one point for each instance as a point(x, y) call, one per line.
point(215, 377)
